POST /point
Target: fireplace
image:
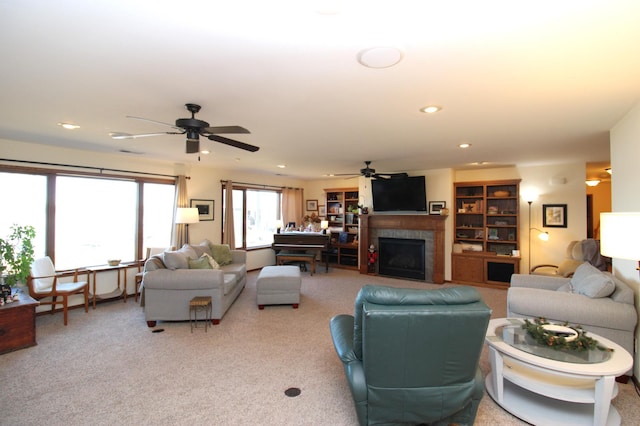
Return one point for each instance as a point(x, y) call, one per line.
point(402, 258)
point(428, 228)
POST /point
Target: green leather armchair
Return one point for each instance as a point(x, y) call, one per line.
point(411, 356)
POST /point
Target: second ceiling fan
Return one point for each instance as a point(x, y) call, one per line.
point(369, 172)
point(194, 128)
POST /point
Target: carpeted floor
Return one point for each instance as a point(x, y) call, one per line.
point(106, 367)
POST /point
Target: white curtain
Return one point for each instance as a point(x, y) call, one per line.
point(179, 230)
point(292, 208)
point(228, 234)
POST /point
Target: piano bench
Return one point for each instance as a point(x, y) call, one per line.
point(310, 258)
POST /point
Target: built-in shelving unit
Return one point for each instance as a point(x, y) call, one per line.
point(486, 240)
point(343, 226)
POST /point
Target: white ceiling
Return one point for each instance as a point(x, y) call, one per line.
point(524, 82)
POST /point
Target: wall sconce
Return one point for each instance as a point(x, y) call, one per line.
point(324, 225)
point(279, 225)
point(619, 234)
point(187, 215)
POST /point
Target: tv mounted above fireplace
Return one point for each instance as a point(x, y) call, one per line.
point(407, 194)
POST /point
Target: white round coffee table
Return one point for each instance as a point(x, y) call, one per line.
point(545, 391)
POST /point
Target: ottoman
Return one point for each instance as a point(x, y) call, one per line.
point(278, 285)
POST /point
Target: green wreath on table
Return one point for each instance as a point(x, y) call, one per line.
point(582, 342)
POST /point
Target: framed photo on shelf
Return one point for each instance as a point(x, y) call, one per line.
point(205, 208)
point(554, 215)
point(322, 211)
point(312, 205)
point(436, 206)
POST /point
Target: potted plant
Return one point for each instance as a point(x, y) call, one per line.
point(16, 254)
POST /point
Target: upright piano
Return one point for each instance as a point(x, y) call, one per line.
point(302, 243)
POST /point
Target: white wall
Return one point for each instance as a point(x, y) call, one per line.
point(625, 153)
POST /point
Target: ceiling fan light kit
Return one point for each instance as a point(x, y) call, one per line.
point(193, 128)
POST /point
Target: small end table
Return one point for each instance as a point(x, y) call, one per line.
point(200, 303)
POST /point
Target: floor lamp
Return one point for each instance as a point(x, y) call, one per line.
point(544, 236)
point(187, 215)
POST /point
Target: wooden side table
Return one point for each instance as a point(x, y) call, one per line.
point(200, 303)
point(18, 324)
point(117, 291)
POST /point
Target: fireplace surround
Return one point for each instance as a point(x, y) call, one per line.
point(429, 228)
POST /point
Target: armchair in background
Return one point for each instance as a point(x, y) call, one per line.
point(43, 283)
point(411, 356)
point(578, 252)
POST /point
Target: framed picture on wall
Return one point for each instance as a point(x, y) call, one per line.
point(554, 215)
point(312, 205)
point(205, 208)
point(322, 211)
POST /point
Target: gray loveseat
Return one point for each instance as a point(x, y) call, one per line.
point(596, 300)
point(172, 279)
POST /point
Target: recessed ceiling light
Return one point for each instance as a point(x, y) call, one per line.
point(464, 145)
point(479, 163)
point(69, 126)
point(430, 109)
point(205, 152)
point(281, 166)
point(380, 57)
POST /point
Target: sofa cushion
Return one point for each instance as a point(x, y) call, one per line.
point(201, 249)
point(237, 269)
point(188, 251)
point(591, 282)
point(212, 261)
point(622, 293)
point(175, 260)
point(200, 263)
point(221, 253)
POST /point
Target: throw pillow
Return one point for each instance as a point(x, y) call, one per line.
point(199, 263)
point(591, 282)
point(189, 251)
point(212, 261)
point(175, 260)
point(222, 254)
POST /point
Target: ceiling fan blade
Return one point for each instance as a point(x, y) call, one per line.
point(225, 129)
point(193, 146)
point(233, 143)
point(120, 135)
point(153, 121)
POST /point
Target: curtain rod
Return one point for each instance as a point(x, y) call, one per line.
point(101, 169)
point(258, 185)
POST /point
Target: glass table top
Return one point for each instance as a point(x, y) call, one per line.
point(514, 335)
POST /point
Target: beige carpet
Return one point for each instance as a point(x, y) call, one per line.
point(107, 367)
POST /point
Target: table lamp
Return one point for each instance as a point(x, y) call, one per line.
point(324, 225)
point(187, 215)
point(279, 225)
point(619, 235)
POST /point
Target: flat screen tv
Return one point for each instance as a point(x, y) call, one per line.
point(399, 194)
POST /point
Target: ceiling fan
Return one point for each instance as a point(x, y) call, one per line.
point(193, 128)
point(368, 172)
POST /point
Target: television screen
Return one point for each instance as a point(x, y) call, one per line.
point(399, 194)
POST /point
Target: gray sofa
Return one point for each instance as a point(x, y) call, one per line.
point(167, 288)
point(612, 316)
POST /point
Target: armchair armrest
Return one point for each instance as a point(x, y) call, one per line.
point(341, 327)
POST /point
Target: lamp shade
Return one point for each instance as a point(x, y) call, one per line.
point(324, 224)
point(620, 235)
point(187, 215)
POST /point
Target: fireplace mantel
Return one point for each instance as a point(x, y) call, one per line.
point(425, 222)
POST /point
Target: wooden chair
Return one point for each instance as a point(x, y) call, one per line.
point(150, 252)
point(43, 283)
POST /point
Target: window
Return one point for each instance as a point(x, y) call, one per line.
point(255, 212)
point(93, 218)
point(24, 201)
point(95, 221)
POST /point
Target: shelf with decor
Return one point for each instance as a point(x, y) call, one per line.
point(486, 232)
point(342, 209)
